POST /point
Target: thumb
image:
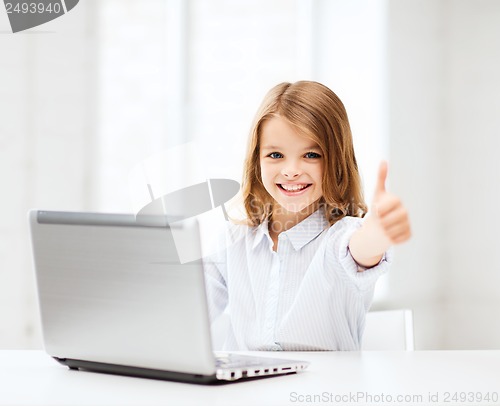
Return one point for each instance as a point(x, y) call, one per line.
point(381, 178)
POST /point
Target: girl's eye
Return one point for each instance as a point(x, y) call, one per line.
point(275, 155)
point(312, 155)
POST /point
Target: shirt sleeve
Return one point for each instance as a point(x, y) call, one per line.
point(338, 251)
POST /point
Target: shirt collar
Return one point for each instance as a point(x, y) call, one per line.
point(300, 234)
point(261, 231)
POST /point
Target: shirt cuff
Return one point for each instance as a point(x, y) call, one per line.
point(362, 268)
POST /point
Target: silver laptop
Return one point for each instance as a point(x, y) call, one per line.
point(115, 298)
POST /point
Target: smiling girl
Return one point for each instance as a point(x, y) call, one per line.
point(300, 274)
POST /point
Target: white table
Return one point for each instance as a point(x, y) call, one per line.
point(333, 378)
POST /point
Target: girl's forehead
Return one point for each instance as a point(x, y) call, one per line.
point(277, 131)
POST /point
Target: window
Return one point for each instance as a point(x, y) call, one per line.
point(177, 71)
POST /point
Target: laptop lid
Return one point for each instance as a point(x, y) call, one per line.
point(113, 291)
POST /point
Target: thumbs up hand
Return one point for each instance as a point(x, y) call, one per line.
point(387, 224)
point(389, 214)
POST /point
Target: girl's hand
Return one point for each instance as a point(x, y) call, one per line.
point(387, 224)
point(389, 215)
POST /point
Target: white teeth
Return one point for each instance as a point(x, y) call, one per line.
point(293, 188)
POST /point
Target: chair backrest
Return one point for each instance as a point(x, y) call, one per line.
point(389, 330)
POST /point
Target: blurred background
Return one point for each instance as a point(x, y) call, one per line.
point(88, 96)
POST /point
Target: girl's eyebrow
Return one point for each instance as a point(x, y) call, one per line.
point(313, 146)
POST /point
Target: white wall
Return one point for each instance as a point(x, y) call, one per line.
point(46, 147)
point(473, 174)
point(444, 63)
point(416, 50)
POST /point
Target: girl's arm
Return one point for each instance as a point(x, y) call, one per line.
point(387, 225)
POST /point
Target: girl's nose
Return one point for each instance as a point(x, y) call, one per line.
point(290, 171)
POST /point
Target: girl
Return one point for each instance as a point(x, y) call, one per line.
point(300, 274)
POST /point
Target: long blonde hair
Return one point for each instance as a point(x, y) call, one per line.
point(317, 113)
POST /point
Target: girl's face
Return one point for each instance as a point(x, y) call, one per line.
point(291, 166)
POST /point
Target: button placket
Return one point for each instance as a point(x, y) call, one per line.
point(272, 299)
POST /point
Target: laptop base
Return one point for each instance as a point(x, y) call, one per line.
point(138, 372)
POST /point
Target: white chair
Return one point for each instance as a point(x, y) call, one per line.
point(389, 330)
point(386, 330)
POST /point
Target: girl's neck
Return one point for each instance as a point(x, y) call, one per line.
point(283, 220)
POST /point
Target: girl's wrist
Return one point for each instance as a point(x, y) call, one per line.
point(368, 245)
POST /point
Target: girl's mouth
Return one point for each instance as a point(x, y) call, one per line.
point(295, 189)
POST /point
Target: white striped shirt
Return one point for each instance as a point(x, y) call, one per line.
point(308, 295)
